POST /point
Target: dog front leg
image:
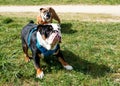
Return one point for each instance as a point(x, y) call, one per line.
point(39, 71)
point(63, 62)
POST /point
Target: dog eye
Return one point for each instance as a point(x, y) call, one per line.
point(45, 11)
point(51, 28)
point(54, 31)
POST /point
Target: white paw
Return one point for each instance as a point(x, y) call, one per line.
point(40, 76)
point(68, 67)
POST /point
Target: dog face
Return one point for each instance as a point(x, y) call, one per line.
point(45, 14)
point(50, 37)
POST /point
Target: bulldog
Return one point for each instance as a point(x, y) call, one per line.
point(43, 41)
point(47, 15)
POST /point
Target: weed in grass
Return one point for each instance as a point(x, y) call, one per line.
point(7, 20)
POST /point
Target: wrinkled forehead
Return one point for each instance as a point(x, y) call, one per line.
point(44, 10)
point(44, 28)
point(47, 28)
point(55, 26)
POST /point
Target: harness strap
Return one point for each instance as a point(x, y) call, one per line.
point(29, 36)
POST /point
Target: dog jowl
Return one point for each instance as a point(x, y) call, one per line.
point(43, 41)
point(47, 15)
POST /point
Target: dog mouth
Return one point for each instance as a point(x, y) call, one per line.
point(48, 15)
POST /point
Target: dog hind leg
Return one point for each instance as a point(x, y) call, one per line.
point(25, 50)
point(63, 62)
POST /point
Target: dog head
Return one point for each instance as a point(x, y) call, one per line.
point(48, 36)
point(45, 14)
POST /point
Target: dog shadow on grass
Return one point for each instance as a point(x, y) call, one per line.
point(80, 65)
point(67, 28)
point(84, 66)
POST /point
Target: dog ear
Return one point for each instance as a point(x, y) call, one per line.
point(39, 27)
point(50, 9)
point(41, 9)
point(54, 14)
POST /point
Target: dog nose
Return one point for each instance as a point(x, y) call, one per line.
point(48, 15)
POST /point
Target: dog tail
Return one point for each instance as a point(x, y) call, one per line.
point(31, 21)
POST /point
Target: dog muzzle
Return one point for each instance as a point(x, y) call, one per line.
point(53, 39)
point(46, 16)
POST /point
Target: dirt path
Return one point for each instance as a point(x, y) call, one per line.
point(95, 9)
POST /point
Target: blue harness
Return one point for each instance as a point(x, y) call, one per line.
point(43, 50)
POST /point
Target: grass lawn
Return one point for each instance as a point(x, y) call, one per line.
point(56, 2)
point(92, 48)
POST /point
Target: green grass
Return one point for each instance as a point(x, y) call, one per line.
point(92, 48)
point(55, 2)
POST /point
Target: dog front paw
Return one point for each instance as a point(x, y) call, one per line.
point(27, 59)
point(68, 67)
point(40, 76)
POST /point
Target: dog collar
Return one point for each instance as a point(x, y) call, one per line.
point(46, 52)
